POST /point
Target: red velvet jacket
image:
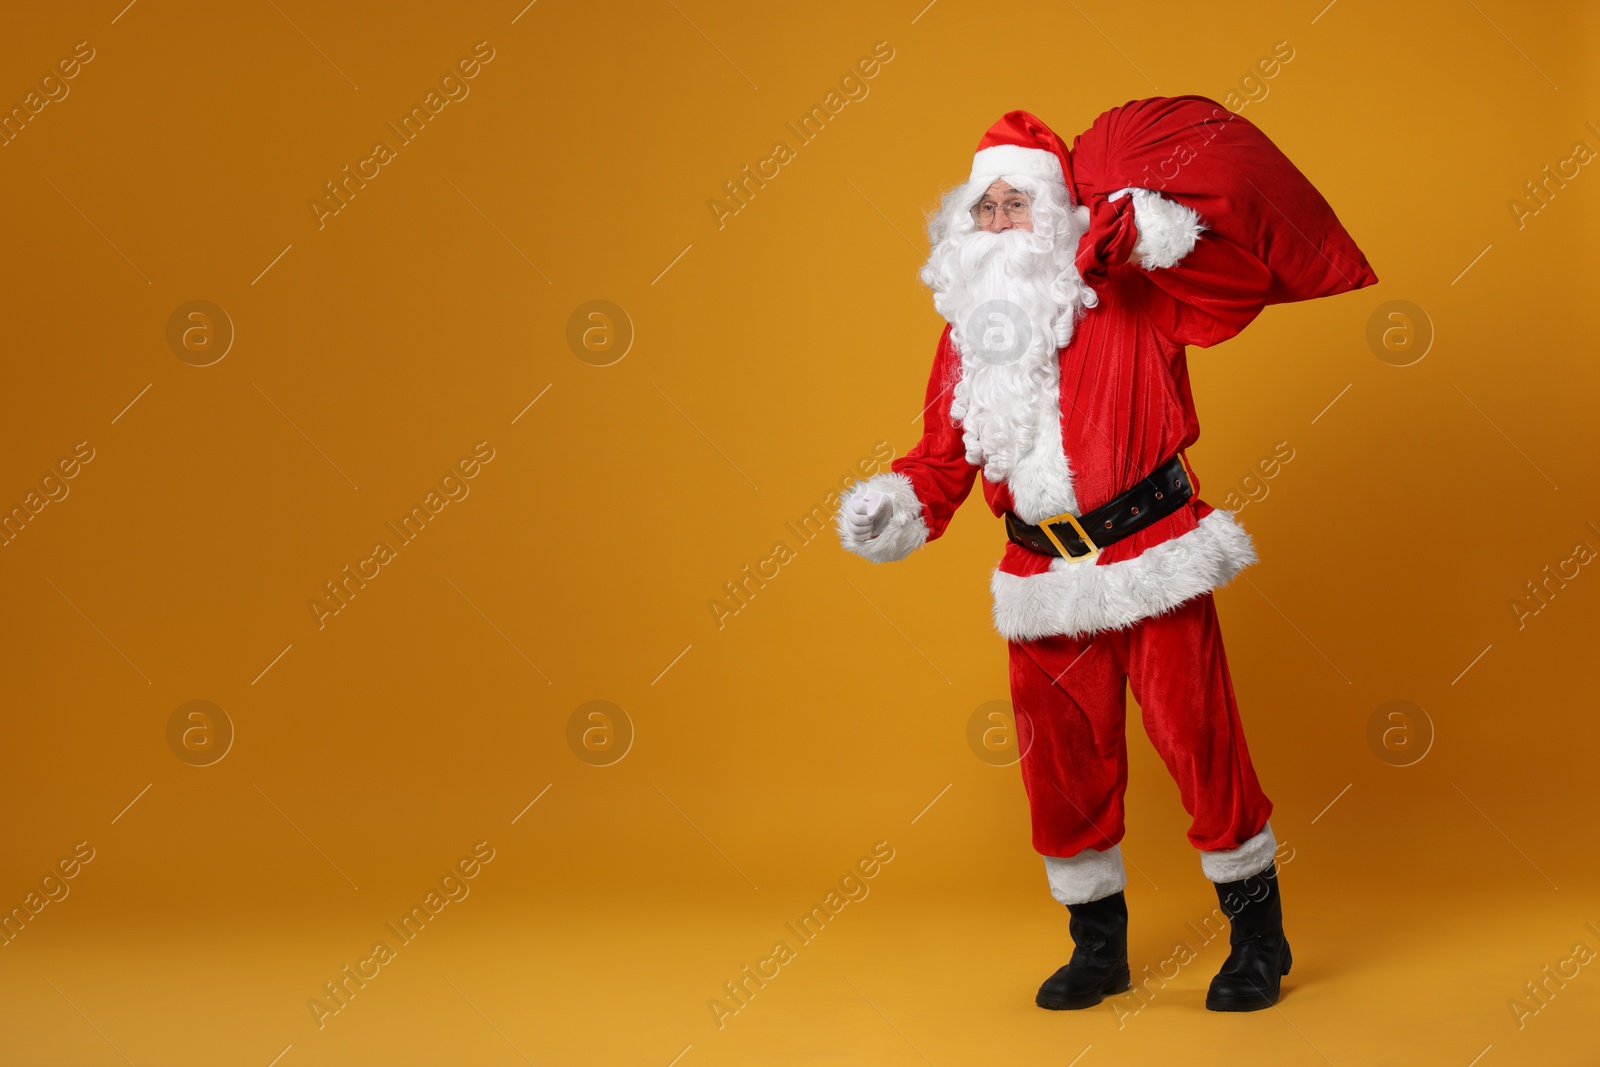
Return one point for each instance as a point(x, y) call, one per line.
point(1125, 401)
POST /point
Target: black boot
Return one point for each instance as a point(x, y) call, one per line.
point(1250, 975)
point(1099, 963)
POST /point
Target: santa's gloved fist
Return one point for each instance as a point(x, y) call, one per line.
point(868, 515)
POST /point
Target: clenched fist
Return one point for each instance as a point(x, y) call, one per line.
point(868, 515)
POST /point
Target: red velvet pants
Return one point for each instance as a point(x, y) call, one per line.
point(1069, 696)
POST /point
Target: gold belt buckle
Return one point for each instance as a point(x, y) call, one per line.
point(1072, 520)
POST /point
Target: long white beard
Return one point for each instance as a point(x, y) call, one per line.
point(1008, 328)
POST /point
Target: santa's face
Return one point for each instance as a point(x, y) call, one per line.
point(1002, 274)
point(1003, 208)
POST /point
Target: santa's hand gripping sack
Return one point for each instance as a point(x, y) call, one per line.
point(1071, 281)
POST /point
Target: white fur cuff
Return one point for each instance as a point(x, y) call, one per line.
point(1086, 877)
point(1237, 864)
point(906, 532)
point(1168, 230)
point(1077, 597)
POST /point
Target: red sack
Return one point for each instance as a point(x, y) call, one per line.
point(1270, 237)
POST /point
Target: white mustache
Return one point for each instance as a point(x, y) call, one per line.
point(1021, 250)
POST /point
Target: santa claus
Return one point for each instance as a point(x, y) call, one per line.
point(1071, 282)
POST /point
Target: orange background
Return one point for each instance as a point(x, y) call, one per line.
point(769, 355)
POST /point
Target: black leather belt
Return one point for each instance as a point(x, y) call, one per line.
point(1078, 536)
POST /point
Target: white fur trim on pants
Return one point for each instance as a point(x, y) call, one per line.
point(1237, 864)
point(1086, 877)
point(1080, 596)
point(1168, 230)
point(906, 532)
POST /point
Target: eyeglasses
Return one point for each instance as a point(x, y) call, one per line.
point(1017, 208)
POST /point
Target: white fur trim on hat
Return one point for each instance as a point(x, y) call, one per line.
point(1237, 864)
point(1001, 159)
point(907, 530)
point(1086, 877)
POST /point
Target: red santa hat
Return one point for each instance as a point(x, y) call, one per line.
point(1020, 144)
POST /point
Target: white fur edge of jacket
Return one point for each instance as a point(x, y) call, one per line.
point(1077, 597)
point(1073, 597)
